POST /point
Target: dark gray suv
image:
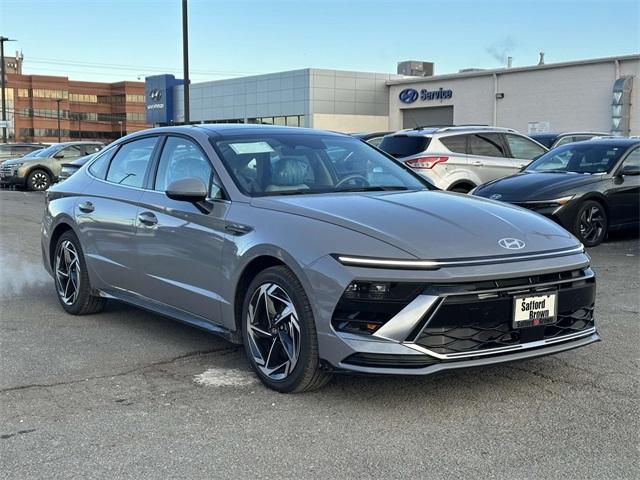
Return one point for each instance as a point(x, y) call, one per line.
point(316, 262)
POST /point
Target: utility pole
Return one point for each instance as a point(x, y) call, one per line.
point(58, 100)
point(120, 123)
point(185, 59)
point(2, 87)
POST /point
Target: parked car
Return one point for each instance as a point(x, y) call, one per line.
point(460, 158)
point(588, 187)
point(17, 150)
point(553, 140)
point(248, 231)
point(373, 138)
point(68, 169)
point(41, 170)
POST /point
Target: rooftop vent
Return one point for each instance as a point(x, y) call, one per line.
point(414, 68)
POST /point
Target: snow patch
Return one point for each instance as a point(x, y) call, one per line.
point(225, 377)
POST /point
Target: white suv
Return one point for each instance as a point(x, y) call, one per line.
point(459, 158)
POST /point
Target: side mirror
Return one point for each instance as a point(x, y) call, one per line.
point(59, 155)
point(190, 189)
point(629, 171)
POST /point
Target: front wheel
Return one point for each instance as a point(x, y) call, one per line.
point(279, 333)
point(591, 223)
point(38, 180)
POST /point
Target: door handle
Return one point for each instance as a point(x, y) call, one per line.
point(477, 163)
point(148, 219)
point(86, 207)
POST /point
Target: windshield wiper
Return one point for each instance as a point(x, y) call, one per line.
point(373, 188)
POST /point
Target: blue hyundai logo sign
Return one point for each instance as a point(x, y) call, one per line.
point(408, 95)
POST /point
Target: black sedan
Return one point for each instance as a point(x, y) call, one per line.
point(68, 169)
point(589, 187)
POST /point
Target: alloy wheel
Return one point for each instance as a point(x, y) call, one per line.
point(273, 331)
point(40, 181)
point(592, 224)
point(67, 272)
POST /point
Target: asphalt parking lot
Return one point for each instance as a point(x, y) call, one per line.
point(128, 394)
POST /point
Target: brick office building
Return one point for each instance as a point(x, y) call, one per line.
point(88, 110)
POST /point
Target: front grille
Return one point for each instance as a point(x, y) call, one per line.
point(386, 360)
point(467, 323)
point(6, 170)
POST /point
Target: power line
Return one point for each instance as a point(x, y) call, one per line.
point(137, 68)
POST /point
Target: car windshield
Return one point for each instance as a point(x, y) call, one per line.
point(546, 140)
point(583, 157)
point(294, 163)
point(34, 153)
point(49, 151)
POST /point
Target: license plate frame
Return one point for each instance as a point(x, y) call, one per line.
point(535, 305)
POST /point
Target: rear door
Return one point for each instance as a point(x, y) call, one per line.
point(178, 245)
point(106, 213)
point(523, 150)
point(488, 157)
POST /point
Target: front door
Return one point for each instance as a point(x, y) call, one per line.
point(625, 194)
point(179, 246)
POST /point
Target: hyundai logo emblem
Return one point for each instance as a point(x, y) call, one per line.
point(408, 95)
point(155, 95)
point(511, 243)
point(496, 196)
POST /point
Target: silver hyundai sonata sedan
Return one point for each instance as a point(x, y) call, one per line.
point(316, 251)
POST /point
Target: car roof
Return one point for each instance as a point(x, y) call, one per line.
point(213, 129)
point(622, 141)
point(452, 130)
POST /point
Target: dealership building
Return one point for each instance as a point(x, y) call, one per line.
point(586, 95)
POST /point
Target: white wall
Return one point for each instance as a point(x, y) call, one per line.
point(570, 97)
point(349, 123)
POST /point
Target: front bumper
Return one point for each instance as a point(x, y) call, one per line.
point(10, 179)
point(434, 333)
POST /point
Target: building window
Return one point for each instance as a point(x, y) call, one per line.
point(83, 98)
point(42, 113)
point(23, 92)
point(135, 117)
point(134, 98)
point(47, 93)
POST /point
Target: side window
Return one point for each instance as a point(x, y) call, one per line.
point(486, 145)
point(632, 162)
point(99, 167)
point(375, 141)
point(181, 158)
point(130, 163)
point(455, 143)
point(74, 151)
point(89, 149)
point(523, 148)
point(563, 141)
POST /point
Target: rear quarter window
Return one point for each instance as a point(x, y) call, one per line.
point(455, 143)
point(404, 145)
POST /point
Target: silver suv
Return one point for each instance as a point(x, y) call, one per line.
point(459, 158)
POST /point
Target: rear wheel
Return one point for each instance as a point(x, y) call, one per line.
point(38, 180)
point(279, 333)
point(591, 223)
point(72, 280)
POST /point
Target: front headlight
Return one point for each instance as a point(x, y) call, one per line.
point(16, 165)
point(386, 262)
point(556, 202)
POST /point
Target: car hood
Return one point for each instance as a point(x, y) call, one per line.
point(13, 161)
point(428, 224)
point(528, 186)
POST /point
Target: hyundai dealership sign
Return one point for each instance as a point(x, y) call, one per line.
point(158, 94)
point(410, 95)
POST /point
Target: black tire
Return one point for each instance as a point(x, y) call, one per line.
point(591, 223)
point(307, 373)
point(461, 189)
point(84, 302)
point(38, 180)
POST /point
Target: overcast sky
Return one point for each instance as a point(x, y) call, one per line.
point(117, 39)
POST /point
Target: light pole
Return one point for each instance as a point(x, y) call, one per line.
point(185, 59)
point(58, 100)
point(2, 86)
point(120, 123)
